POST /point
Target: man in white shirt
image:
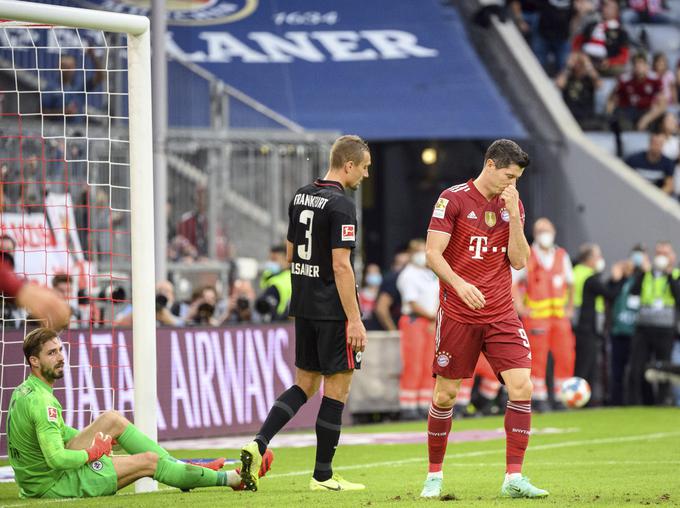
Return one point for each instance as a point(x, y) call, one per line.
point(419, 290)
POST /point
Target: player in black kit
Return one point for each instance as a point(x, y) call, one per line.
point(329, 334)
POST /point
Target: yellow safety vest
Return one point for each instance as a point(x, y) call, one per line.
point(581, 274)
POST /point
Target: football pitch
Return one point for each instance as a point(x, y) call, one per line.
point(607, 457)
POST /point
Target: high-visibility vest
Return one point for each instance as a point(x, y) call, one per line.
point(281, 281)
point(657, 305)
point(581, 274)
point(546, 289)
point(657, 288)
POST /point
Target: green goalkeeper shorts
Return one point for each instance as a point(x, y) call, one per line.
point(98, 478)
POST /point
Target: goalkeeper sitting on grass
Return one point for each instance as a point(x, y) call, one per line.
point(53, 460)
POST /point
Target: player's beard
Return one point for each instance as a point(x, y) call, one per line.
point(51, 374)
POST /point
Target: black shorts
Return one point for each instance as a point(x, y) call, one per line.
point(321, 346)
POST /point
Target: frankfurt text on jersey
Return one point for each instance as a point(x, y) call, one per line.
point(310, 201)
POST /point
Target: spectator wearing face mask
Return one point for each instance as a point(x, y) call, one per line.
point(273, 302)
point(659, 289)
point(543, 296)
point(590, 293)
point(419, 290)
point(369, 292)
point(623, 322)
point(387, 310)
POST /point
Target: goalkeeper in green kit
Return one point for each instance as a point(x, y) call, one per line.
point(53, 460)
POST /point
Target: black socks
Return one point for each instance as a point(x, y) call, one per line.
point(281, 412)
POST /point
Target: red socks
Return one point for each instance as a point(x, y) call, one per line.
point(438, 428)
point(517, 430)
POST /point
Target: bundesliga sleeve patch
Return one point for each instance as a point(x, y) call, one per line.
point(51, 414)
point(348, 233)
point(440, 208)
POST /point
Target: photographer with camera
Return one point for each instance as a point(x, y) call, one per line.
point(272, 304)
point(240, 304)
point(165, 298)
point(202, 308)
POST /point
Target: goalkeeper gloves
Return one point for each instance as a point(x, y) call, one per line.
point(101, 445)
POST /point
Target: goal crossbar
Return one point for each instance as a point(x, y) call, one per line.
point(74, 17)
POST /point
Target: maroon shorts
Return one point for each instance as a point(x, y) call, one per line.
point(505, 345)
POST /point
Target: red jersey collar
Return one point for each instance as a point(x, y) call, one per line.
point(478, 196)
point(319, 182)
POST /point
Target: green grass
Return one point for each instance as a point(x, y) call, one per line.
point(612, 457)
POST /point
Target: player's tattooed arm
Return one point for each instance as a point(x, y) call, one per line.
point(518, 247)
point(434, 247)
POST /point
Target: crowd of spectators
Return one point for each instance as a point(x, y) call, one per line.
point(612, 71)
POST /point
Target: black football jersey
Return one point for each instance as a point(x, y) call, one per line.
point(321, 218)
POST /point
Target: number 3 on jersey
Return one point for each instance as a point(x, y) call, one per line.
point(305, 250)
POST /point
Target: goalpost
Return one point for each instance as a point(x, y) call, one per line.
point(126, 179)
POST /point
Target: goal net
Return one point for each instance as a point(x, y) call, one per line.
point(76, 207)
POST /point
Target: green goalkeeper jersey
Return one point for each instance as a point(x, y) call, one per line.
point(36, 436)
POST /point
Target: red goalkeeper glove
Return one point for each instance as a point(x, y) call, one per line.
point(101, 445)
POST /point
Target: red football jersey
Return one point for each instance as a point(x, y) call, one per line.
point(634, 93)
point(10, 284)
point(477, 251)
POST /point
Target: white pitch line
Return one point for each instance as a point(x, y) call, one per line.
point(538, 463)
point(624, 439)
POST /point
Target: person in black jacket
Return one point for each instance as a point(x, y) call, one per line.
point(659, 288)
point(589, 339)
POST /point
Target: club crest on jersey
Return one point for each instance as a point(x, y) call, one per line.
point(443, 359)
point(52, 414)
point(97, 465)
point(348, 233)
point(505, 215)
point(440, 208)
point(490, 219)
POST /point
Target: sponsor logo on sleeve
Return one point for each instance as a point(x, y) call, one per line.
point(52, 414)
point(348, 233)
point(440, 208)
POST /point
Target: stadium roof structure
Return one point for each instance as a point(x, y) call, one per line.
point(385, 70)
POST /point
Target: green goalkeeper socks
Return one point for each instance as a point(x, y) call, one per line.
point(185, 476)
point(135, 441)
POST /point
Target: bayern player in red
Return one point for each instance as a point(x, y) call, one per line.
point(476, 234)
point(41, 303)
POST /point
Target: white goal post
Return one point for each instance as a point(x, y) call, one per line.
point(137, 29)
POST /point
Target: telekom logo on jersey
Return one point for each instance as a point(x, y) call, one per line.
point(478, 245)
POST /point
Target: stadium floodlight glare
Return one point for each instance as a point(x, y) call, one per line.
point(138, 118)
point(429, 156)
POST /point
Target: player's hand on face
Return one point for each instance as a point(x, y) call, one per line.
point(356, 335)
point(511, 198)
point(471, 296)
